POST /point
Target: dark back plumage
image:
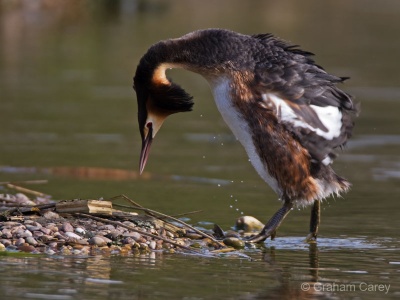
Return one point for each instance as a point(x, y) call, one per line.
point(292, 74)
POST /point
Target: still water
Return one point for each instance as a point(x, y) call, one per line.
point(68, 115)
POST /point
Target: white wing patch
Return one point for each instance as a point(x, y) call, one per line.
point(330, 116)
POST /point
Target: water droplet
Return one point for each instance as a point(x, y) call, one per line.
point(204, 156)
point(241, 213)
point(237, 209)
point(231, 196)
point(201, 116)
point(222, 144)
point(235, 200)
point(219, 185)
point(230, 206)
point(241, 181)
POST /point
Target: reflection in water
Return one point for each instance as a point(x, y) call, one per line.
point(272, 274)
point(286, 289)
point(91, 173)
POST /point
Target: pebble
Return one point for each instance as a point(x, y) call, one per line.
point(37, 234)
point(58, 235)
point(152, 245)
point(53, 234)
point(5, 242)
point(53, 245)
point(23, 199)
point(80, 230)
point(6, 233)
point(107, 227)
point(248, 224)
point(19, 228)
point(97, 241)
point(26, 233)
point(234, 242)
point(128, 241)
point(11, 248)
point(33, 228)
point(65, 250)
point(76, 251)
point(45, 238)
point(10, 224)
point(67, 227)
point(19, 241)
point(107, 240)
point(73, 235)
point(135, 235)
point(49, 251)
point(45, 230)
point(52, 227)
point(31, 241)
point(159, 244)
point(114, 235)
point(122, 229)
point(128, 223)
point(143, 246)
point(51, 215)
point(26, 248)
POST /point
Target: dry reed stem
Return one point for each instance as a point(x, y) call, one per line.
point(25, 190)
point(157, 215)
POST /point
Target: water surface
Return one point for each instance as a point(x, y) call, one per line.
point(68, 115)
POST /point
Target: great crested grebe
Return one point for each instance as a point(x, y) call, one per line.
point(286, 111)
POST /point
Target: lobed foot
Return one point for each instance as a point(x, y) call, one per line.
point(272, 225)
point(262, 236)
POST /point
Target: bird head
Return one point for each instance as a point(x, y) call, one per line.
point(157, 98)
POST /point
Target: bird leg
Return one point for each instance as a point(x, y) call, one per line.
point(272, 225)
point(314, 222)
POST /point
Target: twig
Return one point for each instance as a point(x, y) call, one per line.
point(29, 208)
point(39, 181)
point(13, 204)
point(224, 250)
point(187, 213)
point(118, 223)
point(175, 216)
point(155, 213)
point(126, 198)
point(25, 190)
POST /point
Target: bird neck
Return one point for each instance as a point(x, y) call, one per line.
point(207, 52)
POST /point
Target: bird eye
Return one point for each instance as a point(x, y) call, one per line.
point(149, 125)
